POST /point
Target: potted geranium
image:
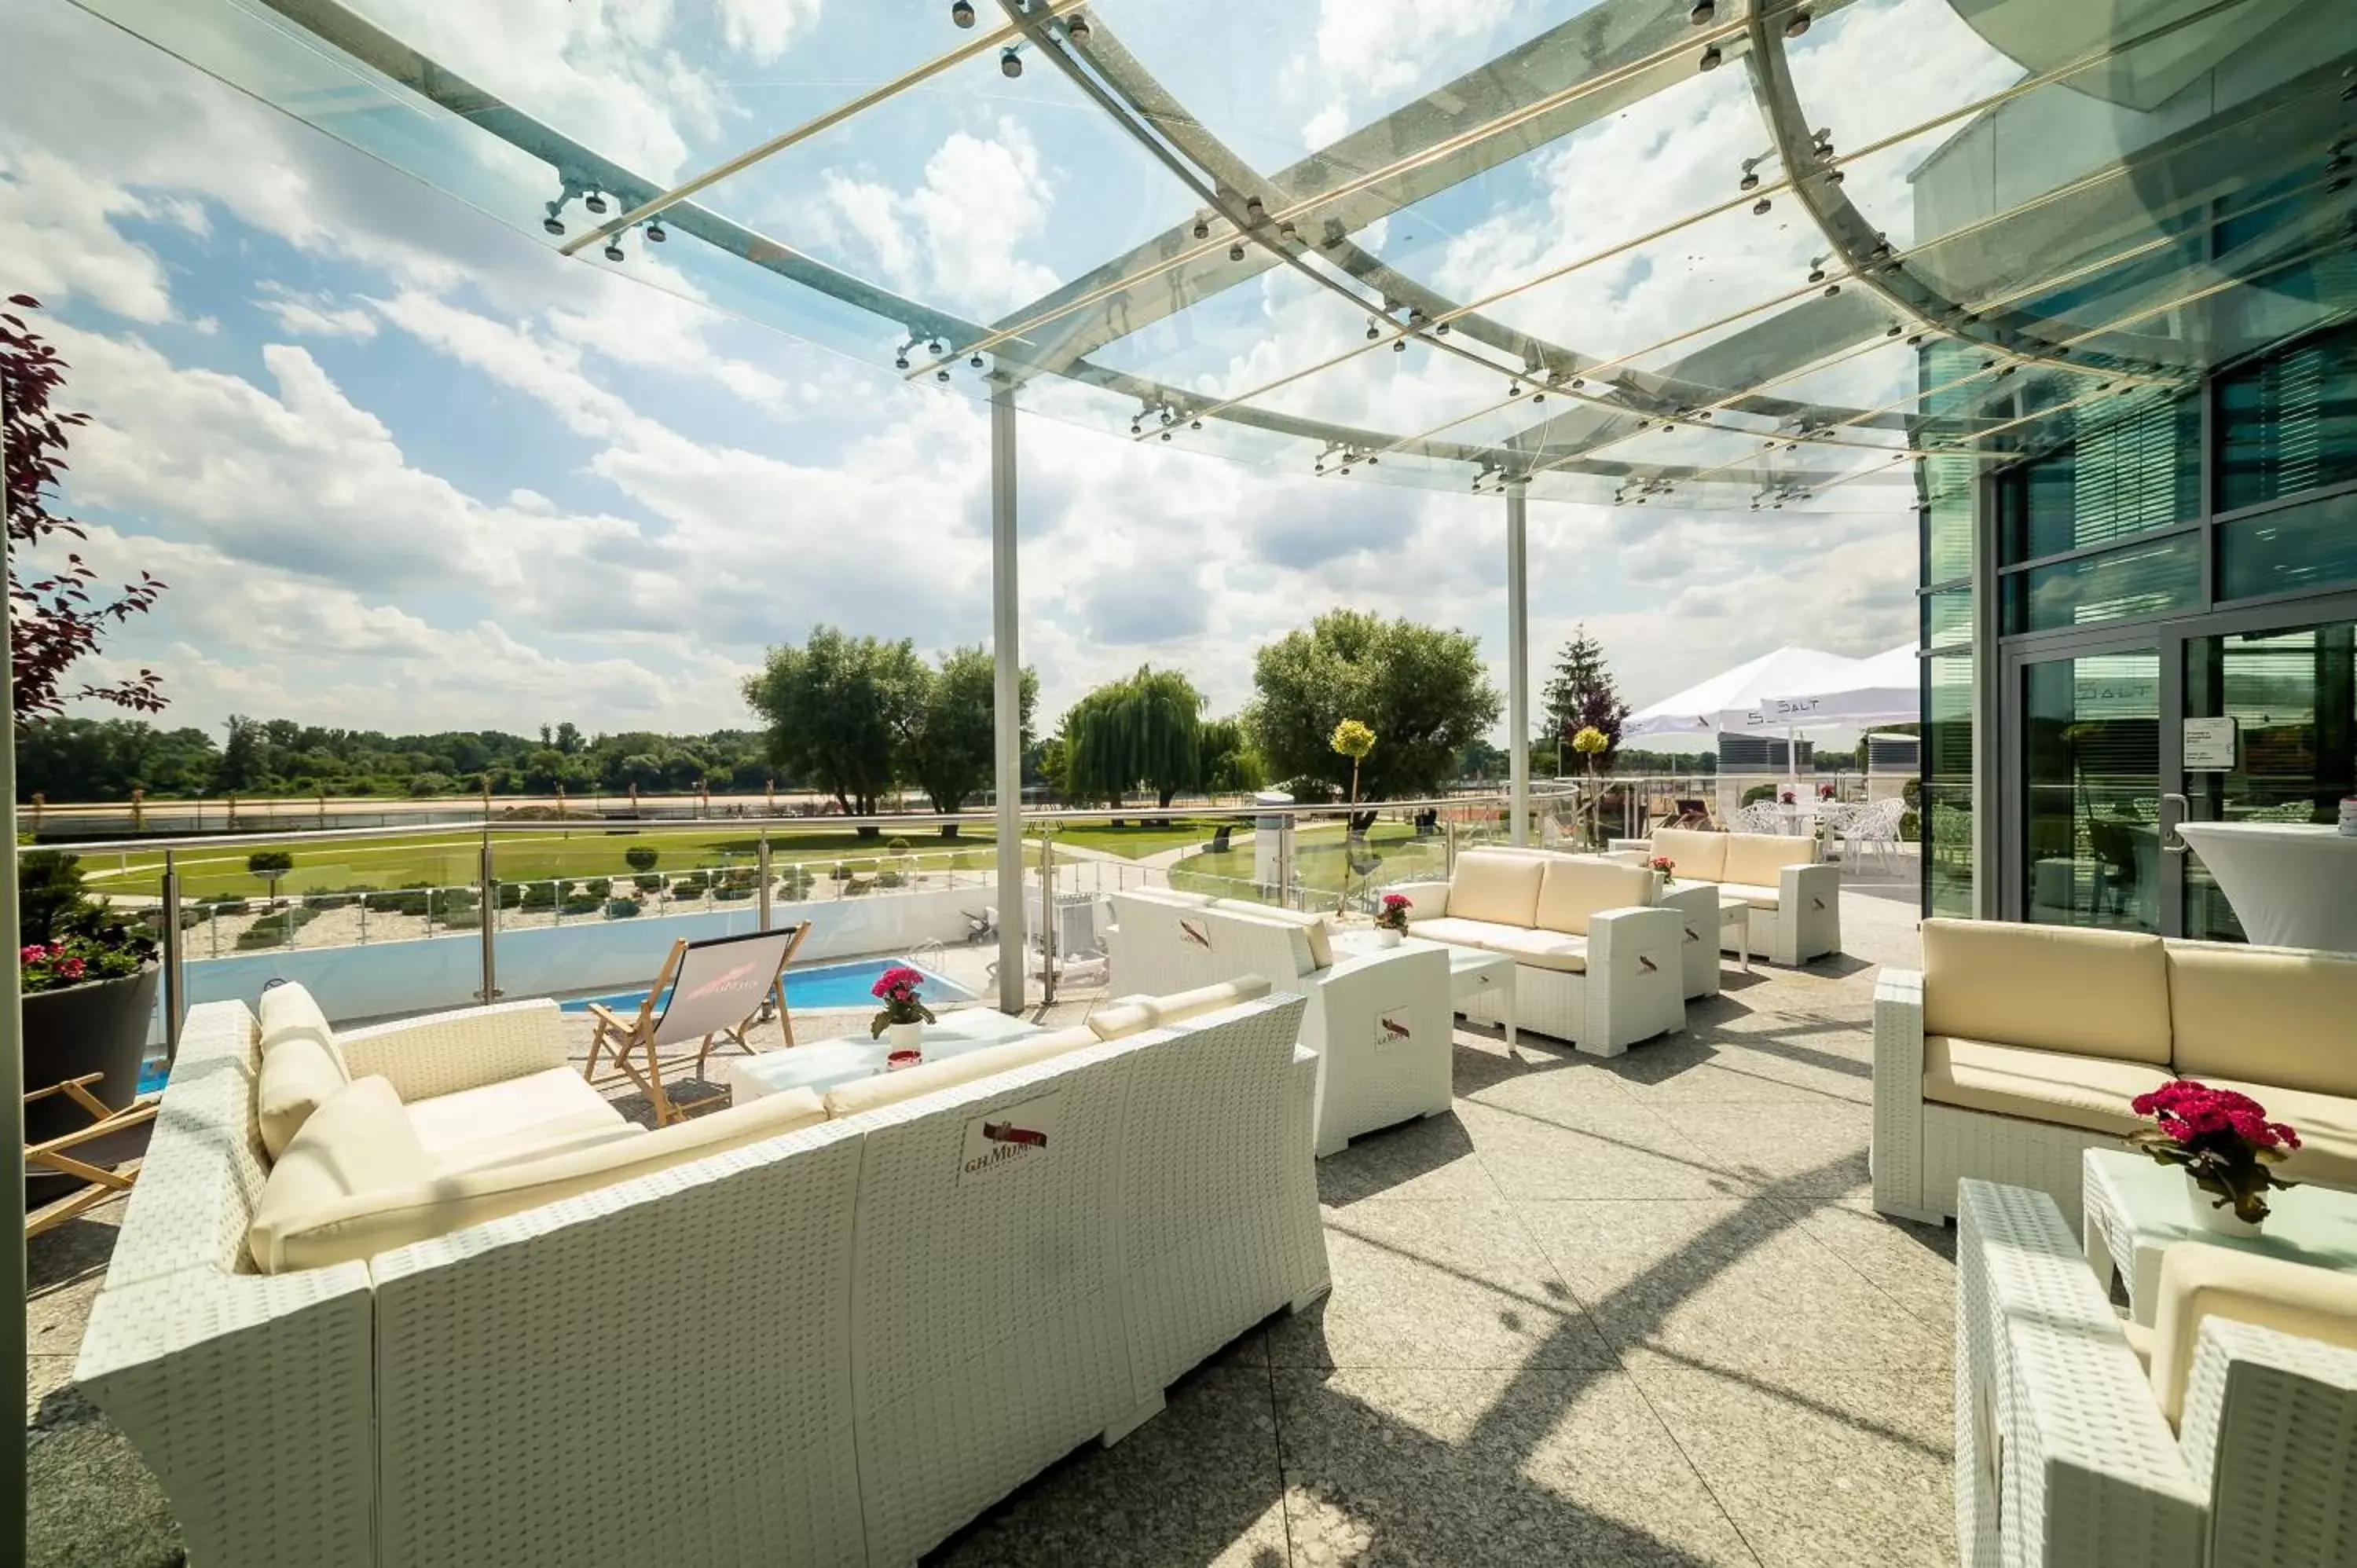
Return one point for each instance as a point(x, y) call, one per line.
point(1662, 867)
point(905, 1012)
point(89, 980)
point(2225, 1143)
point(1391, 919)
point(1824, 792)
point(1785, 797)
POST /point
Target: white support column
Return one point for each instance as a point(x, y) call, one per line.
point(1518, 657)
point(1007, 699)
point(12, 1063)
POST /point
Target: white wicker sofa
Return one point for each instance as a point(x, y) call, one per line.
point(2017, 1047)
point(2227, 1433)
point(1596, 961)
point(898, 1313)
point(1795, 897)
point(1696, 902)
point(1378, 1022)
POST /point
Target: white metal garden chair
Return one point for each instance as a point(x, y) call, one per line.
point(1873, 829)
point(706, 990)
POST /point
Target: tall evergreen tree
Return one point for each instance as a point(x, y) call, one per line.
point(1582, 694)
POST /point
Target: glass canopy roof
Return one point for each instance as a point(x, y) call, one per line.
point(1801, 253)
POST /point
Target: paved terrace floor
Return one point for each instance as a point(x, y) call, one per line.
point(1634, 1311)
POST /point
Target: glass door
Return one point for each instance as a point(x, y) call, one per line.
point(2292, 694)
point(2087, 758)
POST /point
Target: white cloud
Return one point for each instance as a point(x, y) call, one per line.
point(765, 28)
point(315, 315)
point(57, 229)
point(955, 237)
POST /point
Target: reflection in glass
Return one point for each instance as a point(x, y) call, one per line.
point(1945, 819)
point(2134, 580)
point(2289, 423)
point(2297, 548)
point(2293, 696)
point(2135, 474)
point(2091, 739)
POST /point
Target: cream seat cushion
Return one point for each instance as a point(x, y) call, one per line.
point(1759, 859)
point(357, 1144)
point(1136, 1015)
point(2264, 1015)
point(1701, 856)
point(893, 1088)
point(2199, 1281)
point(287, 1011)
point(1321, 946)
point(2327, 1125)
point(380, 1216)
point(1492, 886)
point(1558, 950)
point(1757, 896)
point(2058, 988)
point(2091, 1092)
point(1575, 888)
point(1468, 933)
point(1177, 896)
point(477, 1122)
point(298, 1076)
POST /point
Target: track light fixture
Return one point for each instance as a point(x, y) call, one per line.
point(901, 360)
point(657, 233)
point(1236, 252)
point(1577, 382)
point(1711, 57)
point(613, 249)
point(1399, 345)
point(1514, 390)
point(975, 362)
point(1166, 436)
point(1760, 208)
point(1797, 23)
point(553, 223)
point(1750, 180)
point(1916, 341)
point(594, 203)
point(1135, 428)
point(1892, 331)
point(1011, 64)
point(1374, 331)
point(961, 13)
point(1194, 424)
point(1838, 175)
point(1202, 229)
point(1441, 331)
point(1286, 231)
point(940, 375)
point(1832, 289)
point(1076, 27)
point(1253, 212)
point(1817, 269)
point(1704, 10)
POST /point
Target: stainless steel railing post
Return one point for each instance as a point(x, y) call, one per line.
point(764, 874)
point(487, 885)
point(174, 979)
point(1048, 916)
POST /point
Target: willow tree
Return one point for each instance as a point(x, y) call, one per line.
point(1143, 731)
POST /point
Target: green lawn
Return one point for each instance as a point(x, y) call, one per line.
point(1134, 838)
point(1319, 863)
point(450, 859)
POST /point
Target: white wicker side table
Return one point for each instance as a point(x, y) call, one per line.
point(2135, 1209)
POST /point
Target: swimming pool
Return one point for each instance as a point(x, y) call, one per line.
point(818, 985)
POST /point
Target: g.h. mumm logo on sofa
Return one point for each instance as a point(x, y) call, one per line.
point(1194, 932)
point(1010, 1137)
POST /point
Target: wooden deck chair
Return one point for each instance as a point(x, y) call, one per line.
point(712, 990)
point(51, 1155)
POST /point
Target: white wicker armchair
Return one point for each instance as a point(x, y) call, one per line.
point(2065, 1454)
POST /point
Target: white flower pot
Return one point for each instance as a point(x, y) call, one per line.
point(1386, 937)
point(904, 1036)
point(2213, 1218)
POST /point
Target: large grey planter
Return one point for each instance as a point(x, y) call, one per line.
point(101, 1027)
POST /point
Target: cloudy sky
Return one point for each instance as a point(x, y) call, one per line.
point(406, 468)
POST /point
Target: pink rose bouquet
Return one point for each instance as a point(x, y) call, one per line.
point(2222, 1139)
point(896, 988)
point(1393, 915)
point(1663, 865)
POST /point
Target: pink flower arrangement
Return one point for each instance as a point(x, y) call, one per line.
point(1663, 865)
point(1824, 792)
point(896, 988)
point(1393, 915)
point(1786, 796)
point(71, 960)
point(2222, 1139)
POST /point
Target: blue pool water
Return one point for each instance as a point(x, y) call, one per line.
point(820, 985)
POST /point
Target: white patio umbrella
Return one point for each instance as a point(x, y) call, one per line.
point(1733, 699)
point(1883, 690)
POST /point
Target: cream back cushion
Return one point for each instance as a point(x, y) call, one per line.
point(1759, 859)
point(1576, 887)
point(2056, 988)
point(1494, 885)
point(357, 1144)
point(298, 1076)
point(1321, 947)
point(891, 1088)
point(1701, 856)
point(2199, 1281)
point(1136, 1015)
point(287, 1011)
point(380, 1218)
point(2265, 1015)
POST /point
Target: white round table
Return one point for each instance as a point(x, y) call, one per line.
point(2293, 885)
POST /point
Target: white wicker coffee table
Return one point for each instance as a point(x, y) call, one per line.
point(824, 1066)
point(2136, 1209)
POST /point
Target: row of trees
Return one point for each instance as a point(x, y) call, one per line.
point(105, 759)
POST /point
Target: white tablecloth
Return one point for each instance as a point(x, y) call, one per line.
point(2293, 885)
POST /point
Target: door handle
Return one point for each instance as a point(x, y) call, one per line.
point(2171, 843)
